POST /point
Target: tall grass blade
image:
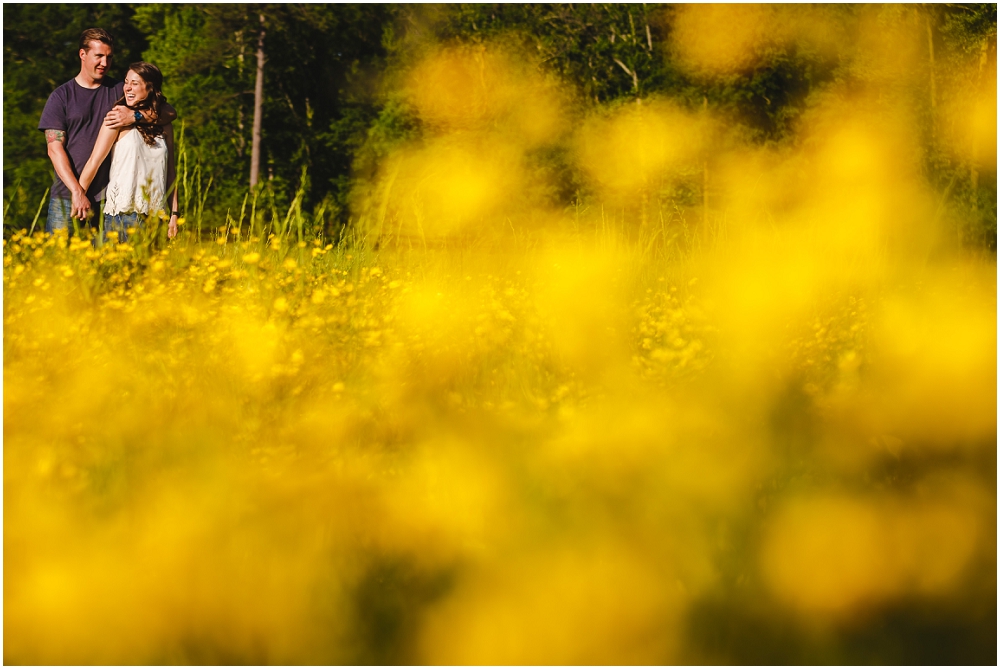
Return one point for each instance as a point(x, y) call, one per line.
point(38, 212)
point(11, 200)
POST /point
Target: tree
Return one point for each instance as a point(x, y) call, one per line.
point(258, 105)
point(316, 95)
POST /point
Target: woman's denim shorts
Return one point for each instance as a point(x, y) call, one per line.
point(120, 223)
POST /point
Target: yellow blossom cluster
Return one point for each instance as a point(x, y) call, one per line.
point(305, 453)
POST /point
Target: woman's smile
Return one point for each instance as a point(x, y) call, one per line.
point(134, 88)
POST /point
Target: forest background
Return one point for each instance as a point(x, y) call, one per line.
point(334, 103)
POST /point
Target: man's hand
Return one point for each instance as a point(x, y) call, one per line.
point(172, 227)
point(119, 117)
point(54, 140)
point(80, 205)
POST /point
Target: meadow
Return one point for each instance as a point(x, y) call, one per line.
point(756, 426)
point(565, 449)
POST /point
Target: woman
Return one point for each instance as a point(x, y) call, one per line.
point(143, 163)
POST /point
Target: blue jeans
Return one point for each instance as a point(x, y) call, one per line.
point(120, 223)
point(60, 215)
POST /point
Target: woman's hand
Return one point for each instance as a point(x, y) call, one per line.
point(172, 227)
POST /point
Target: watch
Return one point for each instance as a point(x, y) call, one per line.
point(138, 117)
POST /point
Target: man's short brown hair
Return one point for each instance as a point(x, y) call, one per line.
point(96, 35)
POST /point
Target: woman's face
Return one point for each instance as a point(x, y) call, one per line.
point(136, 89)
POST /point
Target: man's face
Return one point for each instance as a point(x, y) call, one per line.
point(96, 60)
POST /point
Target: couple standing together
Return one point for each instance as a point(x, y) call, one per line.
point(91, 115)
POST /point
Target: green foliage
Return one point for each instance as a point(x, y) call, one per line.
point(966, 49)
point(596, 46)
point(966, 26)
point(319, 60)
point(333, 108)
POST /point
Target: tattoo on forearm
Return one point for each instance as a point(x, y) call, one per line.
point(55, 136)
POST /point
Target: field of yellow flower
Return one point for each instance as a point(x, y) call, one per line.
point(562, 450)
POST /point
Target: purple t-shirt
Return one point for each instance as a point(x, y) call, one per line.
point(80, 112)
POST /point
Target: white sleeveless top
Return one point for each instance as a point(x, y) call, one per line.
point(138, 175)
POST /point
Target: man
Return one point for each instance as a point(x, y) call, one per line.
point(71, 121)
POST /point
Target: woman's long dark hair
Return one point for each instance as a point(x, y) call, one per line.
point(150, 74)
